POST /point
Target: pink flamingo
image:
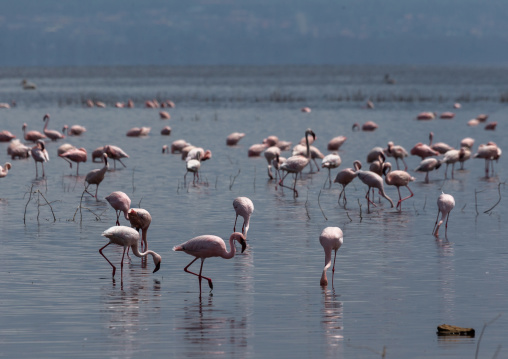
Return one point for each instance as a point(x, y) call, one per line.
point(256, 149)
point(100, 104)
point(98, 154)
point(284, 145)
point(330, 161)
point(18, 150)
point(426, 116)
point(489, 152)
point(372, 180)
point(32, 136)
point(445, 204)
point(397, 152)
point(314, 154)
point(233, 138)
point(75, 155)
point(178, 145)
point(96, 176)
point(271, 140)
point(473, 122)
point(374, 154)
point(305, 109)
point(345, 177)
point(423, 151)
point(440, 147)
point(193, 154)
point(482, 117)
point(367, 126)
point(127, 238)
point(335, 143)
point(193, 165)
point(75, 130)
point(398, 179)
point(452, 157)
point(207, 246)
point(428, 165)
point(39, 154)
point(166, 131)
point(140, 219)
point(243, 207)
point(6, 136)
point(377, 166)
point(5, 169)
point(331, 238)
point(491, 126)
point(447, 115)
point(164, 115)
point(270, 154)
point(138, 131)
point(120, 203)
point(52, 134)
point(116, 154)
point(467, 142)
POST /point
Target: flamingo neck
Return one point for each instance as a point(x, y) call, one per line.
point(232, 250)
point(247, 222)
point(307, 143)
point(328, 263)
point(46, 121)
point(136, 252)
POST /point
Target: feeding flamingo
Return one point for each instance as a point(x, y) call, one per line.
point(127, 238)
point(345, 177)
point(445, 204)
point(207, 246)
point(428, 165)
point(335, 143)
point(32, 136)
point(178, 145)
point(39, 154)
point(116, 154)
point(52, 134)
point(452, 157)
point(398, 179)
point(140, 220)
point(440, 147)
point(96, 176)
point(489, 152)
point(166, 131)
point(193, 166)
point(256, 149)
point(18, 150)
point(75, 155)
point(138, 131)
point(120, 203)
point(367, 126)
point(243, 207)
point(372, 180)
point(331, 239)
point(75, 130)
point(270, 154)
point(6, 136)
point(233, 138)
point(423, 151)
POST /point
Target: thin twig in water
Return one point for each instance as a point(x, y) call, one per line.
point(139, 204)
point(347, 214)
point(26, 205)
point(54, 218)
point(306, 203)
point(232, 180)
point(476, 202)
point(425, 203)
point(462, 210)
point(481, 334)
point(360, 205)
point(320, 205)
point(499, 200)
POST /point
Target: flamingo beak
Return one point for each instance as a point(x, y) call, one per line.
point(157, 267)
point(244, 244)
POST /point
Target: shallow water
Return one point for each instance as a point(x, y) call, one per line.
point(394, 282)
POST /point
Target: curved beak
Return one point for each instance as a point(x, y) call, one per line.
point(157, 267)
point(244, 244)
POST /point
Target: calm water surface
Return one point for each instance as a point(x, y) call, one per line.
point(394, 282)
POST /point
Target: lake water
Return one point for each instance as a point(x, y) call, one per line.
point(394, 283)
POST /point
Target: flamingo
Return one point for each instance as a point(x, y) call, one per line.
point(138, 131)
point(452, 157)
point(98, 154)
point(166, 131)
point(367, 126)
point(440, 147)
point(467, 142)
point(374, 154)
point(75, 130)
point(140, 219)
point(447, 115)
point(482, 117)
point(398, 179)
point(335, 143)
point(465, 157)
point(185, 151)
point(243, 207)
point(295, 164)
point(491, 126)
point(193, 154)
point(276, 163)
point(372, 180)
point(233, 138)
point(96, 176)
point(178, 145)
point(128, 238)
point(39, 154)
point(18, 150)
point(473, 122)
point(445, 204)
point(6, 136)
point(120, 203)
point(116, 154)
point(428, 165)
point(164, 115)
point(489, 152)
point(331, 238)
point(28, 85)
point(271, 140)
point(345, 177)
point(75, 155)
point(5, 169)
point(207, 246)
point(377, 166)
point(270, 154)
point(397, 152)
point(32, 136)
point(284, 145)
point(423, 151)
point(330, 161)
point(52, 134)
point(426, 115)
point(314, 153)
point(256, 149)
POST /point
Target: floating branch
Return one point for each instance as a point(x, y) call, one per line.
point(499, 200)
point(133, 187)
point(347, 214)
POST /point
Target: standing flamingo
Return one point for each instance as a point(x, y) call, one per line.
point(452, 157)
point(373, 180)
point(5, 169)
point(32, 136)
point(96, 176)
point(397, 152)
point(427, 165)
point(445, 204)
point(489, 152)
point(39, 154)
point(52, 134)
point(193, 165)
point(75, 155)
point(423, 151)
point(270, 154)
point(207, 246)
point(440, 147)
point(345, 177)
point(243, 207)
point(233, 138)
point(128, 238)
point(398, 179)
point(140, 219)
point(120, 203)
point(331, 238)
point(330, 161)
point(116, 154)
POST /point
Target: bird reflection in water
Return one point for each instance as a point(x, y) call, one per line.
point(332, 322)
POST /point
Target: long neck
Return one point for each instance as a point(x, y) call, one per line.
point(46, 121)
point(247, 221)
point(232, 250)
point(106, 165)
point(142, 255)
point(307, 143)
point(328, 263)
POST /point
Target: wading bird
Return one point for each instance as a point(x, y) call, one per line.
point(96, 176)
point(372, 180)
point(52, 134)
point(39, 154)
point(345, 177)
point(140, 220)
point(445, 204)
point(331, 238)
point(120, 203)
point(243, 207)
point(398, 179)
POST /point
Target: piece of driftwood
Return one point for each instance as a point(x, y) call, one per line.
point(446, 329)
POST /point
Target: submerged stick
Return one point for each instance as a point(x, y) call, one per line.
point(320, 205)
point(499, 200)
point(481, 334)
point(26, 205)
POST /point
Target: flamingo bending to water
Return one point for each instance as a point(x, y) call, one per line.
point(372, 180)
point(5, 169)
point(233, 138)
point(243, 207)
point(140, 220)
point(445, 204)
point(331, 238)
point(427, 165)
point(75, 155)
point(330, 161)
point(207, 246)
point(345, 177)
point(120, 203)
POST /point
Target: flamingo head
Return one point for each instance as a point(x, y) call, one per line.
point(356, 126)
point(310, 132)
point(23, 127)
point(46, 117)
point(207, 155)
point(240, 238)
point(157, 261)
point(8, 165)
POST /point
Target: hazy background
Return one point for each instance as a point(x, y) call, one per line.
point(255, 32)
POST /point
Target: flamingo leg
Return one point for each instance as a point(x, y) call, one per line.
point(270, 172)
point(446, 172)
point(317, 166)
point(36, 170)
point(121, 263)
point(77, 169)
point(117, 218)
point(119, 160)
point(67, 160)
point(405, 165)
point(427, 178)
point(446, 225)
point(281, 182)
point(400, 200)
point(435, 224)
point(341, 192)
point(333, 268)
point(294, 187)
point(403, 199)
point(453, 168)
point(42, 164)
point(199, 275)
point(96, 190)
point(397, 162)
point(102, 254)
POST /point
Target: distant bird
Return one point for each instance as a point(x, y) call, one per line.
point(75, 130)
point(32, 136)
point(305, 109)
point(127, 238)
point(491, 126)
point(6, 136)
point(369, 104)
point(374, 154)
point(482, 117)
point(5, 169)
point(335, 143)
point(377, 166)
point(367, 126)
point(445, 204)
point(256, 149)
point(457, 105)
point(315, 153)
point(467, 142)
point(465, 157)
point(140, 220)
point(428, 165)
point(233, 138)
point(116, 154)
point(270, 154)
point(440, 147)
point(447, 115)
point(426, 116)
point(372, 180)
point(243, 207)
point(18, 150)
point(39, 154)
point(52, 134)
point(330, 161)
point(193, 166)
point(98, 154)
point(397, 152)
point(96, 176)
point(207, 246)
point(488, 152)
point(75, 155)
point(423, 151)
point(164, 115)
point(271, 140)
point(138, 131)
point(398, 179)
point(166, 131)
point(203, 155)
point(120, 203)
point(345, 177)
point(28, 85)
point(178, 145)
point(452, 157)
point(331, 239)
